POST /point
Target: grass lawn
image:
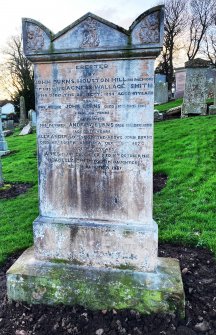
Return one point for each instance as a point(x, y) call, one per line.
point(185, 209)
point(174, 103)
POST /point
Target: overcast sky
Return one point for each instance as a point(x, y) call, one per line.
point(58, 14)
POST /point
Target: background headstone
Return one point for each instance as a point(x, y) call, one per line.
point(160, 78)
point(212, 109)
point(95, 241)
point(161, 93)
point(3, 144)
point(180, 78)
point(1, 174)
point(32, 117)
point(23, 118)
point(196, 88)
point(8, 124)
point(26, 130)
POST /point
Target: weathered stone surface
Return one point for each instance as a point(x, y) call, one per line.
point(23, 118)
point(212, 109)
point(8, 133)
point(37, 281)
point(196, 89)
point(158, 116)
point(32, 117)
point(3, 144)
point(95, 239)
point(1, 174)
point(99, 244)
point(180, 78)
point(92, 37)
point(26, 130)
point(161, 93)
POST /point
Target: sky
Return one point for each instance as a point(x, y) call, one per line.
point(58, 14)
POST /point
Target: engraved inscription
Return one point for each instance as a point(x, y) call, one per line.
point(149, 30)
point(95, 132)
point(90, 34)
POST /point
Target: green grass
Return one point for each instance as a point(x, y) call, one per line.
point(174, 103)
point(185, 209)
point(17, 215)
point(168, 105)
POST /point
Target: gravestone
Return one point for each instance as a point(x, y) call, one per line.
point(23, 119)
point(3, 144)
point(32, 117)
point(180, 78)
point(1, 174)
point(8, 124)
point(160, 78)
point(196, 88)
point(212, 108)
point(161, 93)
point(95, 241)
point(26, 130)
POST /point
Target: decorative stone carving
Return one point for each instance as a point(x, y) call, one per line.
point(149, 30)
point(35, 39)
point(90, 34)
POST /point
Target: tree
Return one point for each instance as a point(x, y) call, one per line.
point(174, 25)
point(202, 17)
point(17, 73)
point(209, 49)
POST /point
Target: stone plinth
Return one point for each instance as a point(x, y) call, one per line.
point(36, 281)
point(94, 84)
point(212, 109)
point(196, 88)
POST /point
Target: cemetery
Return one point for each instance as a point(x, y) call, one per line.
point(107, 217)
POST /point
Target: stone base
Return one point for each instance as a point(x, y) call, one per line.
point(212, 110)
point(52, 283)
point(3, 153)
point(97, 243)
point(193, 109)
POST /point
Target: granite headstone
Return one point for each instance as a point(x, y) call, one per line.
point(196, 88)
point(95, 241)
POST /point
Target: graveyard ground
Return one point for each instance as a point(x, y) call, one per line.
point(175, 103)
point(185, 151)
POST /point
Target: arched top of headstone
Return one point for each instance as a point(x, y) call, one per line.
point(93, 37)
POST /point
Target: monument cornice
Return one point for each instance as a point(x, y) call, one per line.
point(92, 37)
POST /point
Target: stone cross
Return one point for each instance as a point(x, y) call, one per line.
point(95, 240)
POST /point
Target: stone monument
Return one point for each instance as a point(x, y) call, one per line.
point(32, 117)
point(160, 93)
point(23, 119)
point(180, 78)
point(1, 174)
point(95, 241)
point(196, 88)
point(3, 144)
point(212, 108)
